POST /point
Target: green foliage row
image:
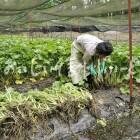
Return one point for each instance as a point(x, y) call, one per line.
point(118, 65)
point(116, 69)
point(22, 58)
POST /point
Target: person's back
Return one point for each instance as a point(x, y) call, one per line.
point(87, 42)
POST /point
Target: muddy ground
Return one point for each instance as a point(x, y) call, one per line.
point(40, 85)
point(107, 117)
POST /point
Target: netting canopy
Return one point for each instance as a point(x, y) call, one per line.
point(99, 15)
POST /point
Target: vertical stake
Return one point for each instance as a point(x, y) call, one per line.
point(130, 55)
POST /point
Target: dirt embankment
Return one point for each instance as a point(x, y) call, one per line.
point(99, 119)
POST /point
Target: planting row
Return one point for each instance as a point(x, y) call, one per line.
point(24, 59)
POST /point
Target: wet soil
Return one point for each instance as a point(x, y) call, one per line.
point(126, 128)
point(126, 125)
point(40, 85)
point(108, 105)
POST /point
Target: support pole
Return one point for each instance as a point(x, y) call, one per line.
point(30, 23)
point(130, 54)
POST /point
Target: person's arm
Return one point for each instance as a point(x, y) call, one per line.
point(86, 58)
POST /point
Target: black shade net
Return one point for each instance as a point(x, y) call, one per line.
point(68, 15)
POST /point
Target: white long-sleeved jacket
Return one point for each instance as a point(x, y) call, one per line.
point(84, 45)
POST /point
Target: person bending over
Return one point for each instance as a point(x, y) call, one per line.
point(84, 47)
